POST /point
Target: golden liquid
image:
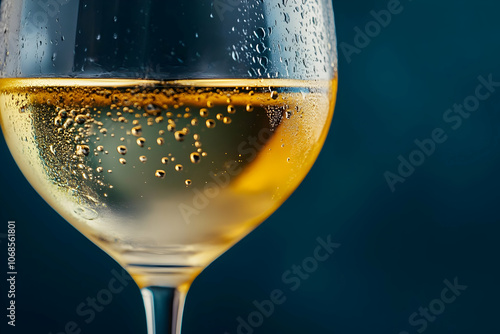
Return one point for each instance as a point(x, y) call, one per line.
point(165, 173)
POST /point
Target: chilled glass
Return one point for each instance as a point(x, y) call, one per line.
point(166, 131)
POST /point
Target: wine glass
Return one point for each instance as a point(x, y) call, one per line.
point(166, 131)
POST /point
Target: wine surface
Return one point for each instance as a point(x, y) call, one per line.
point(165, 174)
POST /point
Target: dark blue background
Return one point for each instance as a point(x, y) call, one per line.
point(396, 247)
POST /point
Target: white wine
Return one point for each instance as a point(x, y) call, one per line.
point(165, 175)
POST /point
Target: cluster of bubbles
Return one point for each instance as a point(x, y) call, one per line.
point(135, 110)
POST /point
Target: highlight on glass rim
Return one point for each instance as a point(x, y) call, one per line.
point(166, 131)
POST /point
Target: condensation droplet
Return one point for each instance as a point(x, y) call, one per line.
point(99, 169)
point(137, 130)
point(160, 141)
point(69, 122)
point(203, 112)
point(188, 182)
point(274, 95)
point(80, 119)
point(260, 33)
point(195, 157)
point(164, 160)
point(249, 107)
point(210, 123)
point(141, 141)
point(82, 150)
point(122, 149)
point(260, 47)
point(287, 18)
point(179, 135)
point(143, 158)
point(227, 120)
point(231, 109)
point(160, 174)
point(122, 161)
point(179, 167)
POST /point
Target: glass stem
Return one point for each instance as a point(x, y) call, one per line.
point(164, 307)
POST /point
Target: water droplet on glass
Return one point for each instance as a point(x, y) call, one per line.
point(160, 141)
point(260, 47)
point(263, 61)
point(195, 157)
point(143, 158)
point(141, 141)
point(203, 112)
point(179, 135)
point(249, 107)
point(178, 167)
point(82, 150)
point(227, 120)
point(122, 161)
point(80, 119)
point(99, 169)
point(188, 182)
point(287, 18)
point(210, 123)
point(98, 37)
point(122, 150)
point(164, 160)
point(231, 109)
point(69, 122)
point(274, 95)
point(160, 174)
point(260, 33)
point(137, 130)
